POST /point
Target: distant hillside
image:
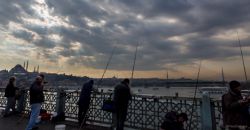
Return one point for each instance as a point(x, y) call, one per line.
point(55, 80)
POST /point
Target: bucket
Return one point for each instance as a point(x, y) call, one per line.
point(60, 127)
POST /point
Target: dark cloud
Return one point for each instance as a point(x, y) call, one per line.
point(45, 43)
point(205, 48)
point(14, 10)
point(47, 55)
point(76, 11)
point(25, 35)
point(156, 8)
point(99, 26)
point(41, 30)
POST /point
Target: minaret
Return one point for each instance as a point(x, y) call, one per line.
point(27, 65)
point(38, 69)
point(24, 65)
point(223, 78)
point(167, 80)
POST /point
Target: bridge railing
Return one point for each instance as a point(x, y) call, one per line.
point(216, 105)
point(144, 112)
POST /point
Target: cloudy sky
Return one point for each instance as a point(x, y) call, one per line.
point(77, 36)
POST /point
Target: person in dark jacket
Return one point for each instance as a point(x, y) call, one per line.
point(122, 95)
point(36, 99)
point(84, 101)
point(234, 107)
point(174, 121)
point(10, 92)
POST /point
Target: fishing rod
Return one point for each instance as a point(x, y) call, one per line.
point(106, 67)
point(167, 85)
point(195, 92)
point(105, 70)
point(108, 62)
point(242, 57)
point(223, 77)
point(133, 69)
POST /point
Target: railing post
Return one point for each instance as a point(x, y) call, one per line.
point(60, 101)
point(21, 104)
point(207, 122)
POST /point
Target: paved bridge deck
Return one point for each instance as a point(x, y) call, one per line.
point(16, 122)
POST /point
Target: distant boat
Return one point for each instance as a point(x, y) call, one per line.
point(213, 90)
point(167, 81)
point(155, 88)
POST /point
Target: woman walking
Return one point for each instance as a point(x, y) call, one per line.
point(10, 92)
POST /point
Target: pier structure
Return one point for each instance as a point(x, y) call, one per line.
point(144, 112)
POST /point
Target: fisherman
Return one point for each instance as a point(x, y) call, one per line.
point(122, 95)
point(10, 92)
point(36, 100)
point(84, 101)
point(234, 107)
point(174, 121)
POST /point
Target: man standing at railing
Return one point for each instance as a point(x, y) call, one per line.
point(84, 101)
point(234, 107)
point(122, 96)
point(36, 99)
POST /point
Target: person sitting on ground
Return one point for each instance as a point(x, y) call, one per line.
point(10, 92)
point(174, 121)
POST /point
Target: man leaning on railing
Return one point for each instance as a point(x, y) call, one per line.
point(85, 101)
point(122, 95)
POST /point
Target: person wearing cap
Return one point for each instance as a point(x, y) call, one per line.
point(234, 107)
point(10, 92)
point(122, 95)
point(174, 121)
point(36, 100)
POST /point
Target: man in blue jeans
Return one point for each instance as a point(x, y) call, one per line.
point(36, 99)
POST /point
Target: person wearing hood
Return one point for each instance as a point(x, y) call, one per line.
point(84, 101)
point(234, 107)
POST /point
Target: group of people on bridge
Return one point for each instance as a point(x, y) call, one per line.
point(12, 94)
point(235, 107)
point(120, 102)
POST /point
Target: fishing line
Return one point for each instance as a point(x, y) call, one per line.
point(196, 86)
